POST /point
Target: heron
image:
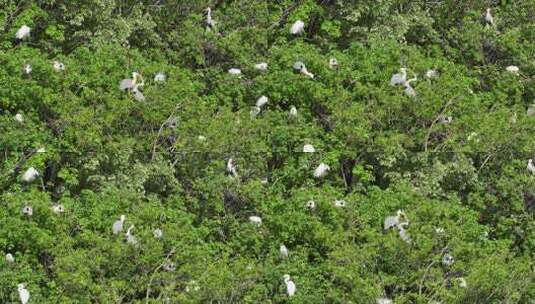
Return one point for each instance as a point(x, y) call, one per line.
point(308, 148)
point(399, 78)
point(431, 74)
point(462, 282)
point(261, 101)
point(311, 205)
point(488, 18)
point(234, 71)
point(30, 175)
point(384, 301)
point(58, 209)
point(160, 77)
point(262, 66)
point(333, 63)
point(293, 111)
point(512, 69)
point(403, 234)
point(158, 233)
point(297, 28)
point(27, 68)
point(531, 167)
point(409, 91)
point(290, 285)
point(283, 252)
point(24, 294)
point(19, 118)
point(447, 260)
point(210, 23)
point(300, 67)
point(131, 83)
point(130, 238)
point(27, 210)
point(339, 203)
point(321, 170)
point(58, 66)
point(23, 32)
point(231, 168)
point(118, 225)
point(10, 258)
point(255, 220)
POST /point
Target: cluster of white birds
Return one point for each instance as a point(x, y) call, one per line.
point(399, 221)
point(401, 79)
point(133, 85)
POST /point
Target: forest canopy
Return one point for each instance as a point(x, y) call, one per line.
point(307, 151)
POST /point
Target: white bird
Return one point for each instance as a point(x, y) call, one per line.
point(40, 150)
point(30, 175)
point(256, 220)
point(169, 266)
point(311, 205)
point(24, 294)
point(462, 282)
point(255, 111)
point(160, 77)
point(488, 18)
point(333, 63)
point(27, 210)
point(408, 88)
point(158, 233)
point(308, 148)
point(27, 69)
point(403, 234)
point(130, 238)
point(19, 118)
point(283, 252)
point(10, 258)
point(431, 74)
point(340, 203)
point(23, 32)
point(384, 301)
point(439, 230)
point(400, 78)
point(231, 168)
point(447, 260)
point(301, 68)
point(297, 28)
point(58, 66)
point(445, 119)
point(234, 71)
point(262, 66)
point(531, 110)
point(201, 138)
point(262, 101)
point(210, 23)
point(512, 69)
point(138, 95)
point(321, 170)
point(58, 209)
point(264, 181)
point(293, 112)
point(531, 167)
point(391, 222)
point(172, 122)
point(118, 225)
point(290, 285)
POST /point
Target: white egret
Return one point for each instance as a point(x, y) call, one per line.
point(234, 71)
point(27, 210)
point(290, 285)
point(445, 119)
point(488, 18)
point(400, 78)
point(160, 77)
point(41, 150)
point(403, 234)
point(133, 85)
point(311, 205)
point(530, 167)
point(462, 282)
point(10, 258)
point(201, 138)
point(138, 95)
point(283, 252)
point(439, 230)
point(384, 301)
point(293, 112)
point(19, 118)
point(447, 260)
point(58, 209)
point(321, 170)
point(297, 28)
point(308, 148)
point(23, 32)
point(30, 175)
point(339, 203)
point(264, 181)
point(24, 294)
point(301, 68)
point(255, 220)
point(431, 74)
point(512, 69)
point(27, 69)
point(58, 66)
point(231, 168)
point(408, 88)
point(169, 266)
point(118, 225)
point(210, 23)
point(130, 238)
point(391, 221)
point(255, 111)
point(333, 63)
point(531, 110)
point(262, 101)
point(262, 66)
point(158, 233)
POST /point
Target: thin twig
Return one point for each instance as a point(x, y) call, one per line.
point(156, 270)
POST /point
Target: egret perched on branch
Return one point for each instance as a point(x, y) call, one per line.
point(311, 205)
point(283, 252)
point(210, 23)
point(23, 32)
point(308, 148)
point(27, 69)
point(300, 67)
point(531, 167)
point(255, 220)
point(158, 233)
point(488, 18)
point(321, 170)
point(58, 66)
point(290, 285)
point(293, 112)
point(513, 69)
point(447, 260)
point(333, 63)
point(409, 91)
point(262, 101)
point(445, 119)
point(30, 175)
point(462, 282)
point(160, 77)
point(231, 168)
point(10, 258)
point(297, 28)
point(399, 78)
point(19, 118)
point(27, 210)
point(58, 209)
point(262, 66)
point(24, 294)
point(234, 71)
point(339, 203)
point(130, 238)
point(118, 225)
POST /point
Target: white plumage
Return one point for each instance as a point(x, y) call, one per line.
point(384, 301)
point(19, 118)
point(290, 285)
point(256, 220)
point(231, 168)
point(311, 205)
point(58, 209)
point(262, 101)
point(333, 63)
point(283, 252)
point(10, 258)
point(158, 233)
point(400, 78)
point(512, 69)
point(447, 260)
point(27, 210)
point(340, 203)
point(27, 69)
point(488, 18)
point(23, 32)
point(262, 66)
point(130, 238)
point(58, 66)
point(24, 294)
point(118, 225)
point(30, 175)
point(530, 167)
point(321, 170)
point(531, 110)
point(160, 77)
point(234, 71)
point(297, 28)
point(293, 112)
point(431, 74)
point(462, 283)
point(308, 148)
